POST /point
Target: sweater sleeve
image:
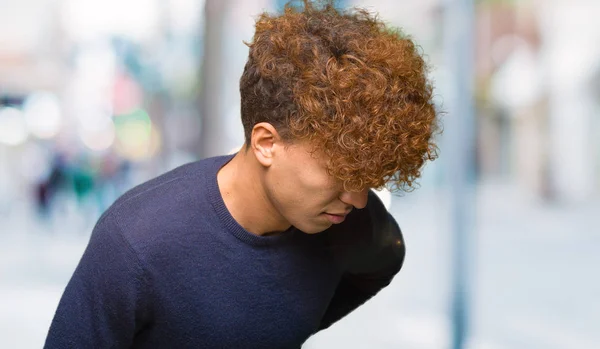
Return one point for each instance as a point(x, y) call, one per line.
point(102, 305)
point(374, 266)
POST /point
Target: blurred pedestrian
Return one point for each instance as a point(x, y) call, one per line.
point(48, 187)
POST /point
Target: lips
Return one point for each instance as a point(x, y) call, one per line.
point(335, 218)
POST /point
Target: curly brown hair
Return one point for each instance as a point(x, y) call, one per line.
point(353, 87)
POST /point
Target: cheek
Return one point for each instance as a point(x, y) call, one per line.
point(319, 193)
point(303, 191)
point(316, 181)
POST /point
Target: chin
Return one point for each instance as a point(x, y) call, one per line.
point(312, 232)
point(315, 229)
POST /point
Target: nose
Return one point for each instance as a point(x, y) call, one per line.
point(357, 199)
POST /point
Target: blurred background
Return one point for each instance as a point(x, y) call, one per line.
point(98, 96)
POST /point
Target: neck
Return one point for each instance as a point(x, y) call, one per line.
point(245, 198)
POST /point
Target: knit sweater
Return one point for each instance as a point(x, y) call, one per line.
point(167, 266)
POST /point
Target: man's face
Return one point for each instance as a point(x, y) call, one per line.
point(304, 194)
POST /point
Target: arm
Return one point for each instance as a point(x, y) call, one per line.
point(102, 305)
point(373, 268)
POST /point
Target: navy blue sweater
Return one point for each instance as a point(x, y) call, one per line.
point(167, 266)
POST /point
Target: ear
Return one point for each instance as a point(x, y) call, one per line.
point(265, 142)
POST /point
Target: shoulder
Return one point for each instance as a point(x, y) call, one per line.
point(153, 211)
point(382, 224)
point(370, 236)
point(165, 182)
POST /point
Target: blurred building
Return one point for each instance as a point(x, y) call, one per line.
point(538, 96)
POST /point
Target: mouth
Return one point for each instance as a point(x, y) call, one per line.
point(335, 218)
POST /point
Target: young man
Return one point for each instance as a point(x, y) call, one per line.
point(264, 248)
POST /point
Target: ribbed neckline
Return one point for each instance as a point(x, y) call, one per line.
point(225, 216)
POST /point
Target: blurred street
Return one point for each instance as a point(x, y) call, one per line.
point(547, 302)
point(99, 96)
